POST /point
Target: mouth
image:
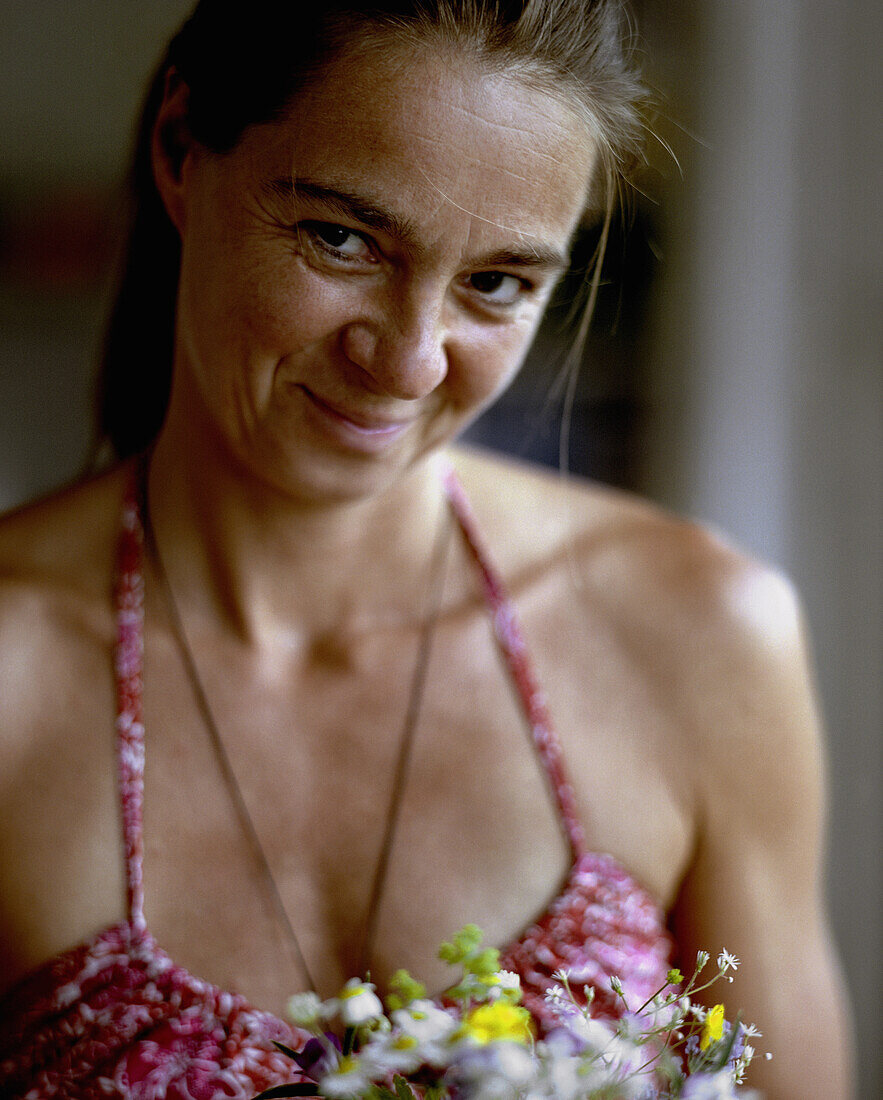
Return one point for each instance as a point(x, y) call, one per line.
point(355, 427)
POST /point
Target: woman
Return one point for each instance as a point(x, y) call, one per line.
point(349, 226)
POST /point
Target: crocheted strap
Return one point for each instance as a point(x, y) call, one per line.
point(512, 645)
point(128, 662)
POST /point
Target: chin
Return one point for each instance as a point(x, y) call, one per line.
point(316, 480)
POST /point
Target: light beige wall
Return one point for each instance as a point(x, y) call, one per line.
point(767, 373)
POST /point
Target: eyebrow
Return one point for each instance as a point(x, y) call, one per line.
point(532, 255)
point(347, 204)
point(362, 209)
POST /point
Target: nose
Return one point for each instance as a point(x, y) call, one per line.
point(402, 347)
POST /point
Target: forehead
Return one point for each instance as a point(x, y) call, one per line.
point(435, 137)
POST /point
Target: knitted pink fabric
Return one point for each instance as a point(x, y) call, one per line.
point(115, 1017)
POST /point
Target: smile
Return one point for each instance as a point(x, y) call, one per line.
point(356, 430)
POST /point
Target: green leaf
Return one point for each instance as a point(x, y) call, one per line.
point(484, 963)
point(449, 953)
point(405, 989)
point(403, 1089)
point(463, 946)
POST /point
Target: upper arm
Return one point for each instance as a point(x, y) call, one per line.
point(755, 885)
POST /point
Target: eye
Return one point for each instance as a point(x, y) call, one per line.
point(498, 287)
point(337, 241)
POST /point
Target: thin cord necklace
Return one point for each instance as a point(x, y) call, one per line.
point(437, 574)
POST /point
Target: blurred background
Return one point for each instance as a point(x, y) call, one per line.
point(735, 373)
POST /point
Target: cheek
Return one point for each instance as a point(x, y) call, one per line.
point(489, 365)
point(245, 306)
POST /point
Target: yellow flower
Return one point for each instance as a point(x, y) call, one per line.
point(501, 1020)
point(713, 1028)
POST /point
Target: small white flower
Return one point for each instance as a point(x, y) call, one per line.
point(616, 985)
point(304, 1009)
point(726, 961)
point(498, 1071)
point(508, 979)
point(624, 1055)
point(593, 1032)
point(562, 975)
point(425, 1022)
point(630, 1028)
point(750, 1032)
point(703, 1086)
point(575, 1079)
point(358, 1004)
point(348, 1080)
point(390, 1053)
point(567, 1078)
point(702, 958)
point(430, 1028)
point(556, 998)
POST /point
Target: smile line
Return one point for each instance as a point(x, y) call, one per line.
point(356, 421)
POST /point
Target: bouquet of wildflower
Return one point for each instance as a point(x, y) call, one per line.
point(477, 1041)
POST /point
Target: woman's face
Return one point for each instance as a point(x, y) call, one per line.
point(360, 279)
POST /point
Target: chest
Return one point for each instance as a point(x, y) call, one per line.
point(389, 808)
point(350, 760)
point(313, 745)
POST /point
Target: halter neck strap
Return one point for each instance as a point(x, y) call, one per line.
point(128, 669)
point(515, 653)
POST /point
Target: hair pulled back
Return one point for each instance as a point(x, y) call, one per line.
point(245, 60)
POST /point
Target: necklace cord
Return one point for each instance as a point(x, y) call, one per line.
point(438, 574)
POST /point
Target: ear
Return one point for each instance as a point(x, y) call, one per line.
point(172, 147)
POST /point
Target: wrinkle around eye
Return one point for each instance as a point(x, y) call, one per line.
point(321, 235)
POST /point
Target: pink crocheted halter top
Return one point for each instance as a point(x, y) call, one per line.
point(115, 1016)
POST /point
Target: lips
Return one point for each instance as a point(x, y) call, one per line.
point(355, 428)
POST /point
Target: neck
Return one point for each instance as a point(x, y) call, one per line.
point(273, 569)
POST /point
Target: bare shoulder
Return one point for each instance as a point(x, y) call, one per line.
point(648, 561)
point(719, 634)
point(57, 791)
point(532, 514)
point(56, 565)
point(57, 536)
